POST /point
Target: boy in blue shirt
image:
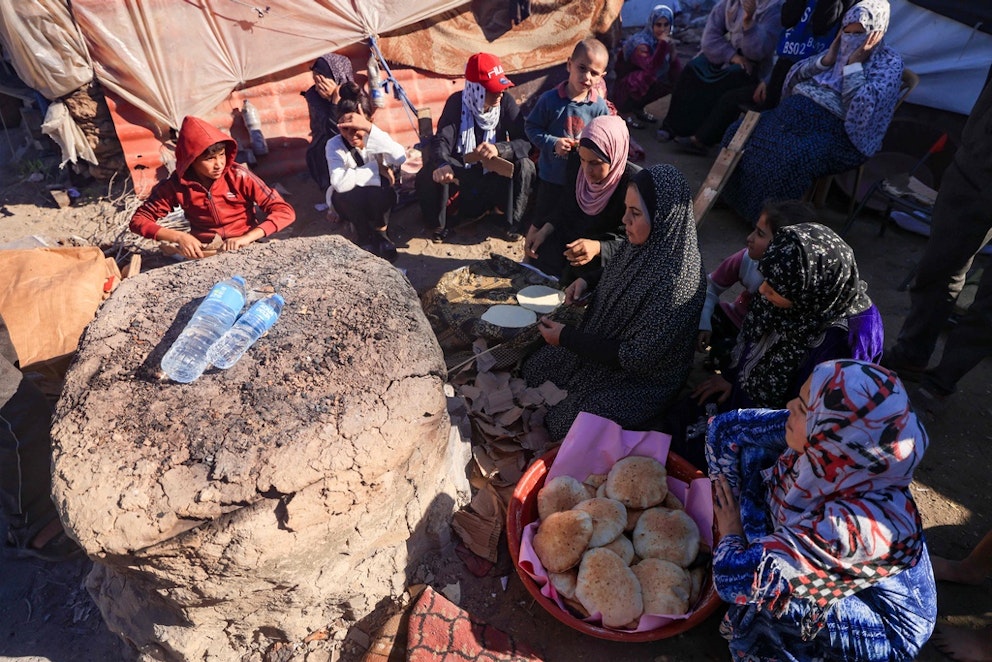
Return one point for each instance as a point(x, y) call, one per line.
point(560, 115)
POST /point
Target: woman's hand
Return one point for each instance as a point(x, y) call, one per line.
point(725, 508)
point(550, 330)
point(703, 340)
point(743, 62)
point(760, 94)
point(581, 251)
point(749, 7)
point(324, 86)
point(576, 291)
point(830, 56)
point(536, 237)
point(864, 51)
point(714, 385)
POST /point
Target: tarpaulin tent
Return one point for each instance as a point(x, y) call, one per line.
point(160, 60)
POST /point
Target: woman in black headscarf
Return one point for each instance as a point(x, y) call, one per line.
point(813, 307)
point(633, 349)
point(330, 72)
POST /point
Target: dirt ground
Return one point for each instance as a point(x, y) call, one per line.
point(46, 614)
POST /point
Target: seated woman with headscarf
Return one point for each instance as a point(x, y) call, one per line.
point(813, 308)
point(648, 67)
point(330, 72)
point(735, 52)
point(632, 351)
point(477, 124)
point(824, 558)
point(835, 110)
point(585, 230)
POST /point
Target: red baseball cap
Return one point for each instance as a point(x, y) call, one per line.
point(485, 69)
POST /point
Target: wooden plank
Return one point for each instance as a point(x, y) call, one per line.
point(723, 167)
point(496, 164)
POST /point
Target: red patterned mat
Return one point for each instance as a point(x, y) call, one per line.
point(442, 632)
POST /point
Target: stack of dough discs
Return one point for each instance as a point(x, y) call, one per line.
point(558, 494)
point(672, 535)
point(540, 298)
point(606, 585)
point(509, 317)
point(562, 538)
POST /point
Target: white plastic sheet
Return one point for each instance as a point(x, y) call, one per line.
point(60, 126)
point(171, 59)
point(44, 46)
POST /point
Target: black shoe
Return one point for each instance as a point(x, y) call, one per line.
point(512, 236)
point(645, 116)
point(894, 359)
point(387, 250)
point(439, 235)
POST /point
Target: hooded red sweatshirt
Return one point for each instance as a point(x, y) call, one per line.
point(227, 208)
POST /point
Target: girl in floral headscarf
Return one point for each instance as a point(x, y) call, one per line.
point(649, 66)
point(836, 107)
point(824, 558)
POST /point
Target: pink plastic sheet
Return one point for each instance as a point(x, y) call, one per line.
point(592, 445)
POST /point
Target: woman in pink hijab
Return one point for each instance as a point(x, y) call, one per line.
point(586, 229)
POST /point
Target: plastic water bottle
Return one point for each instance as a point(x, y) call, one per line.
point(254, 124)
point(376, 92)
point(187, 358)
point(235, 342)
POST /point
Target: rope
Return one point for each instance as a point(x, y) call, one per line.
point(398, 92)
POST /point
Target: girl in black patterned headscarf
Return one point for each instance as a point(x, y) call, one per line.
point(633, 349)
point(330, 72)
point(814, 270)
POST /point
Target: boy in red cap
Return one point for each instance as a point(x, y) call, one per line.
point(218, 196)
point(483, 122)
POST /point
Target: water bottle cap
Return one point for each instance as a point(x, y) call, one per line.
point(240, 280)
point(278, 298)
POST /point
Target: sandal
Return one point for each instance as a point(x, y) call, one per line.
point(59, 547)
point(633, 123)
point(439, 235)
point(645, 116)
point(690, 145)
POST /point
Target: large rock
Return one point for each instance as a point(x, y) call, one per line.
point(290, 494)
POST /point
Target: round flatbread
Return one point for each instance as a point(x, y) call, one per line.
point(561, 539)
point(509, 317)
point(665, 587)
point(672, 535)
point(608, 519)
point(637, 482)
point(622, 547)
point(540, 298)
point(564, 582)
point(606, 585)
point(558, 494)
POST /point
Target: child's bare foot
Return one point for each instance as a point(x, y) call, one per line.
point(963, 644)
point(959, 572)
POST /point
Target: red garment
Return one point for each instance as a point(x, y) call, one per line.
point(227, 208)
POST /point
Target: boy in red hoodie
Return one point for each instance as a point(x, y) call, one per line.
point(218, 196)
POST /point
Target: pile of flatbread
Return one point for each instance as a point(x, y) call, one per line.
point(619, 544)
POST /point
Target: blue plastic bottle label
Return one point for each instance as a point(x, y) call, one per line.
point(228, 296)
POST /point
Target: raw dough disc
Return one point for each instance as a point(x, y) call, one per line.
point(509, 317)
point(540, 298)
